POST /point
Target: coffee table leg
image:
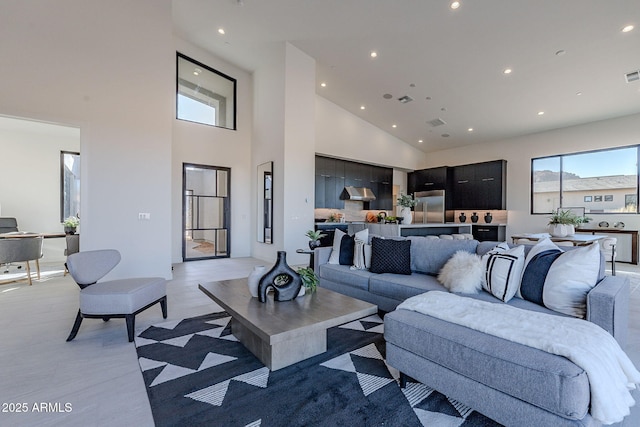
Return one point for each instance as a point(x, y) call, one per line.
point(279, 355)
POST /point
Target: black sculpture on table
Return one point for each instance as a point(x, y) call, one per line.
point(284, 280)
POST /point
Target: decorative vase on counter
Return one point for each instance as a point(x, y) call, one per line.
point(488, 217)
point(474, 217)
point(284, 280)
point(561, 230)
point(405, 213)
point(462, 217)
point(254, 279)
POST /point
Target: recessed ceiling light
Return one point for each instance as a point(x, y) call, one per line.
point(470, 130)
point(221, 31)
point(454, 5)
point(394, 126)
point(579, 93)
point(323, 84)
point(362, 107)
point(445, 135)
point(374, 54)
point(428, 98)
point(387, 96)
point(507, 71)
point(420, 141)
point(561, 52)
point(541, 113)
point(197, 71)
point(627, 28)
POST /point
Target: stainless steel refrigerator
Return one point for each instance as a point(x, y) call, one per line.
point(430, 207)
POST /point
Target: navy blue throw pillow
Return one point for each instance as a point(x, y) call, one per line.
point(347, 245)
point(390, 256)
point(535, 275)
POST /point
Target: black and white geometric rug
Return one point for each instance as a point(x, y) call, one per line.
point(198, 374)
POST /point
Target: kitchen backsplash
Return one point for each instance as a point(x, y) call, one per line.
point(353, 211)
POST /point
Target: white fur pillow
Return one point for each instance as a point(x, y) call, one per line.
point(462, 273)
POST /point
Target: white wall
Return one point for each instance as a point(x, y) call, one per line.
point(342, 134)
point(30, 177)
point(209, 145)
point(519, 151)
point(107, 68)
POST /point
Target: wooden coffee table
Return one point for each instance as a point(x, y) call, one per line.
point(283, 333)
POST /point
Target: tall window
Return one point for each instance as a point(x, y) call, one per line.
point(69, 184)
point(204, 95)
point(604, 181)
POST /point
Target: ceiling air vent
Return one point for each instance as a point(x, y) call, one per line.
point(405, 99)
point(632, 76)
point(437, 122)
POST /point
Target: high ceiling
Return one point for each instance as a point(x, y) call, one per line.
point(568, 59)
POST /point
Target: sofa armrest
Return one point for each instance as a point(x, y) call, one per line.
point(608, 306)
point(321, 256)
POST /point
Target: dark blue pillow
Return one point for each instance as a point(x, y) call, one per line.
point(347, 245)
point(390, 256)
point(535, 274)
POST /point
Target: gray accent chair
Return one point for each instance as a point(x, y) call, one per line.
point(8, 225)
point(22, 249)
point(122, 298)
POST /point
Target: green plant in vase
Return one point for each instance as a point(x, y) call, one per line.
point(314, 238)
point(71, 224)
point(309, 279)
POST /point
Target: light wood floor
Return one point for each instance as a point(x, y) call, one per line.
point(98, 372)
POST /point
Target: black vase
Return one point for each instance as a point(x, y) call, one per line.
point(314, 244)
point(474, 217)
point(284, 280)
point(462, 217)
point(488, 217)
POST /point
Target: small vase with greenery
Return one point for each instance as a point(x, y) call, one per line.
point(309, 279)
point(71, 224)
point(406, 202)
point(314, 238)
point(562, 223)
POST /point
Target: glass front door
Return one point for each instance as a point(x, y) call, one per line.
point(205, 212)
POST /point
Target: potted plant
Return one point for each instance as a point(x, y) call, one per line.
point(314, 238)
point(309, 279)
point(406, 202)
point(562, 223)
point(71, 224)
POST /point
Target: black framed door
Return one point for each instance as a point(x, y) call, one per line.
point(206, 212)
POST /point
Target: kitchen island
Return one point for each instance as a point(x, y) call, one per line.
point(420, 229)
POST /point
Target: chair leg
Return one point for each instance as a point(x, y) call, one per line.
point(403, 380)
point(29, 273)
point(76, 327)
point(38, 268)
point(131, 325)
point(163, 305)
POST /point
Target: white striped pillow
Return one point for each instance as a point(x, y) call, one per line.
point(361, 255)
point(503, 271)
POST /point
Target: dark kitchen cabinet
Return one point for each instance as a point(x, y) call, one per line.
point(480, 186)
point(332, 175)
point(329, 183)
point(429, 179)
point(493, 233)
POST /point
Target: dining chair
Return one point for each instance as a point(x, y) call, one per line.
point(123, 298)
point(23, 249)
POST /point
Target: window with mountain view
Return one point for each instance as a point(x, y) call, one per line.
point(604, 181)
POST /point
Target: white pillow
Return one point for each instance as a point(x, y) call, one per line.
point(502, 271)
point(361, 255)
point(571, 276)
point(334, 258)
point(462, 273)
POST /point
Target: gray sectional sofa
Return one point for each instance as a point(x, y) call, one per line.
point(510, 383)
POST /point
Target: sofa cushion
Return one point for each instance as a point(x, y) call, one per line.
point(344, 256)
point(462, 273)
point(429, 256)
point(345, 274)
point(401, 287)
point(548, 381)
point(503, 270)
point(390, 256)
point(561, 280)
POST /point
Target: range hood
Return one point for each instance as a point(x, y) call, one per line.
point(361, 194)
